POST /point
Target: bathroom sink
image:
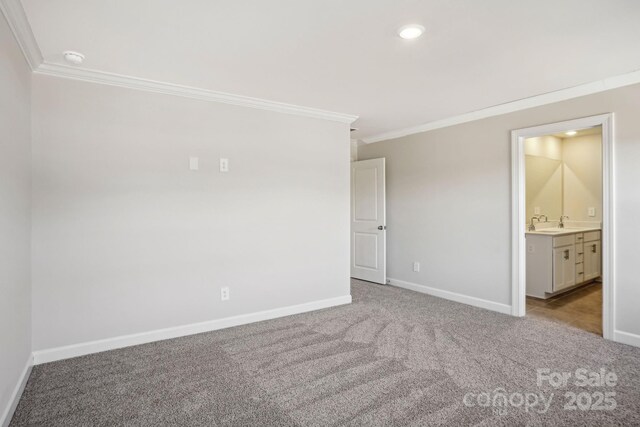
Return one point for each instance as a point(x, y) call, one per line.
point(552, 230)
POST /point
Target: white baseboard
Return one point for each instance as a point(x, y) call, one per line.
point(75, 350)
point(626, 338)
point(7, 414)
point(464, 299)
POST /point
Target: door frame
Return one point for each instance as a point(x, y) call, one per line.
point(518, 221)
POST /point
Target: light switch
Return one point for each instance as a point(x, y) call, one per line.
point(536, 210)
point(224, 165)
point(591, 212)
point(193, 163)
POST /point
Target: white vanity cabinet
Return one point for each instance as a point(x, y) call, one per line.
point(558, 262)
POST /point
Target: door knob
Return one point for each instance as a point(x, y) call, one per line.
point(382, 227)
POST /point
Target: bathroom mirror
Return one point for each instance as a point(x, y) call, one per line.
point(544, 186)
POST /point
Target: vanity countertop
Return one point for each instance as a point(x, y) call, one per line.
point(561, 231)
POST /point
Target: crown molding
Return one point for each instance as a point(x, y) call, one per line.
point(510, 107)
point(113, 79)
point(19, 24)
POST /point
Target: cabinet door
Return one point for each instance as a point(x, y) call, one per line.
point(592, 260)
point(564, 267)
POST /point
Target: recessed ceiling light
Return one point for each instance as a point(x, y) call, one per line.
point(571, 133)
point(412, 31)
point(74, 58)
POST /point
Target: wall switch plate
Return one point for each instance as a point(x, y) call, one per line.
point(224, 165)
point(416, 266)
point(224, 294)
point(193, 163)
point(536, 210)
point(591, 212)
point(531, 248)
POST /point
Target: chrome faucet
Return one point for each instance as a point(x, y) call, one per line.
point(562, 217)
point(546, 219)
point(531, 226)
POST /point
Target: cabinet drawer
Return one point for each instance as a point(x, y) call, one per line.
point(590, 236)
point(579, 256)
point(579, 237)
point(563, 240)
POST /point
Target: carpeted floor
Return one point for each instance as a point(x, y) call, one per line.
point(393, 357)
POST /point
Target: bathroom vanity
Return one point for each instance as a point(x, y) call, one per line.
point(560, 259)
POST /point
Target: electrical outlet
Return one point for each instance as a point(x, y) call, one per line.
point(193, 163)
point(531, 248)
point(224, 165)
point(536, 210)
point(591, 212)
point(224, 294)
point(416, 266)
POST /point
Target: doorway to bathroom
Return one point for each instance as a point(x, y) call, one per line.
point(562, 221)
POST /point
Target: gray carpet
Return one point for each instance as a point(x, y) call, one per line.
point(393, 357)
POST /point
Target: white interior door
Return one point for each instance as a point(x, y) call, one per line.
point(368, 221)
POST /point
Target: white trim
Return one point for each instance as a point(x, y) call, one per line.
point(518, 261)
point(452, 296)
point(626, 338)
point(7, 414)
point(518, 257)
point(510, 107)
point(129, 82)
point(75, 350)
point(19, 24)
point(608, 227)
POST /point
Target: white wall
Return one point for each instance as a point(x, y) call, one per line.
point(126, 239)
point(449, 207)
point(15, 171)
point(354, 150)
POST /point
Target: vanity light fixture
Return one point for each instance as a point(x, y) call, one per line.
point(571, 133)
point(411, 31)
point(73, 58)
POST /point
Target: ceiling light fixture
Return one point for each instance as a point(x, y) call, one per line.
point(571, 133)
point(73, 58)
point(410, 32)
